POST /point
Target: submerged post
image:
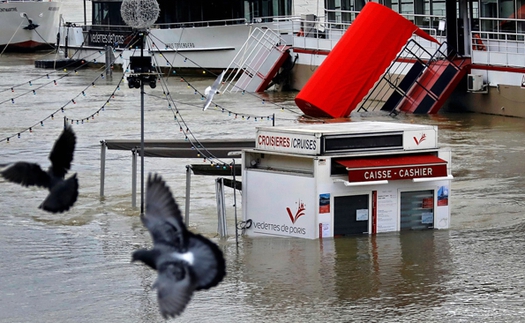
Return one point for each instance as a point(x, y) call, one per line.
point(235, 202)
point(134, 178)
point(142, 148)
point(102, 166)
point(221, 209)
point(188, 190)
point(109, 61)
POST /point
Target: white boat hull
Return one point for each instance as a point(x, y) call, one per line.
point(209, 48)
point(18, 33)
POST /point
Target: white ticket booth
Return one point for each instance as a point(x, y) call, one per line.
point(328, 180)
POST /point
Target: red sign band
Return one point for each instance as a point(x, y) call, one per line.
point(396, 173)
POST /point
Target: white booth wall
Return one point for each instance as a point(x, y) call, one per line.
point(288, 203)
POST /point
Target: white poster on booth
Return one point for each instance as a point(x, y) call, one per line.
point(325, 230)
point(387, 219)
point(442, 217)
point(361, 215)
point(280, 204)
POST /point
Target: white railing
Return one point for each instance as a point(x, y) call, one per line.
point(498, 48)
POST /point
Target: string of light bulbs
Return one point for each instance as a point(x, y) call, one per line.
point(201, 150)
point(84, 62)
point(62, 109)
point(243, 92)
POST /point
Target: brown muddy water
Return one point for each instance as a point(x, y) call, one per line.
point(75, 267)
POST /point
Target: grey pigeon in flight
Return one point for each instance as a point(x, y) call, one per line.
point(63, 193)
point(185, 261)
point(212, 90)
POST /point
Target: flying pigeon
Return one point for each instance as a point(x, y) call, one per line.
point(62, 193)
point(185, 261)
point(212, 90)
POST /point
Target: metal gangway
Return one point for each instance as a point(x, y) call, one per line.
point(417, 81)
point(257, 62)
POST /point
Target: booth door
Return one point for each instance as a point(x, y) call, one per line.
point(351, 215)
point(417, 210)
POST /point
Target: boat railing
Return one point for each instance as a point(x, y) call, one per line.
point(317, 34)
point(107, 27)
point(205, 23)
point(431, 23)
point(322, 33)
point(498, 47)
point(7, 1)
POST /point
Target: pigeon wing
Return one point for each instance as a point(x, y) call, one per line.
point(27, 174)
point(61, 155)
point(163, 218)
point(210, 92)
point(175, 286)
point(62, 196)
point(208, 266)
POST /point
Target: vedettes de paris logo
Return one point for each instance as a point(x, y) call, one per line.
point(298, 213)
point(422, 138)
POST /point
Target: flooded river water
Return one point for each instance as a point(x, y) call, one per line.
point(75, 267)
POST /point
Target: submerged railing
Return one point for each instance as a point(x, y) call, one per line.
point(403, 73)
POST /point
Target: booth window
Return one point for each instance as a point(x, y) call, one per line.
point(417, 210)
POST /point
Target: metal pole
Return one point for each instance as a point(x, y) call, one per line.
point(219, 206)
point(102, 166)
point(221, 209)
point(134, 178)
point(142, 132)
point(109, 61)
point(273, 120)
point(235, 204)
point(188, 191)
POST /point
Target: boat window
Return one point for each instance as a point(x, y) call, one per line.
point(265, 9)
point(106, 13)
point(200, 12)
point(502, 16)
point(425, 14)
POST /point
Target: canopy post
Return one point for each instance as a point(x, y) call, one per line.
point(102, 166)
point(188, 191)
point(221, 208)
point(134, 178)
point(235, 201)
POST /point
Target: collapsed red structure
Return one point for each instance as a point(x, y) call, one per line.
point(356, 62)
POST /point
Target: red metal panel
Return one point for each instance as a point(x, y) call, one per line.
point(356, 62)
point(266, 79)
point(394, 168)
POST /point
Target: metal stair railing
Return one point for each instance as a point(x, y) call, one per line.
point(406, 63)
point(251, 56)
